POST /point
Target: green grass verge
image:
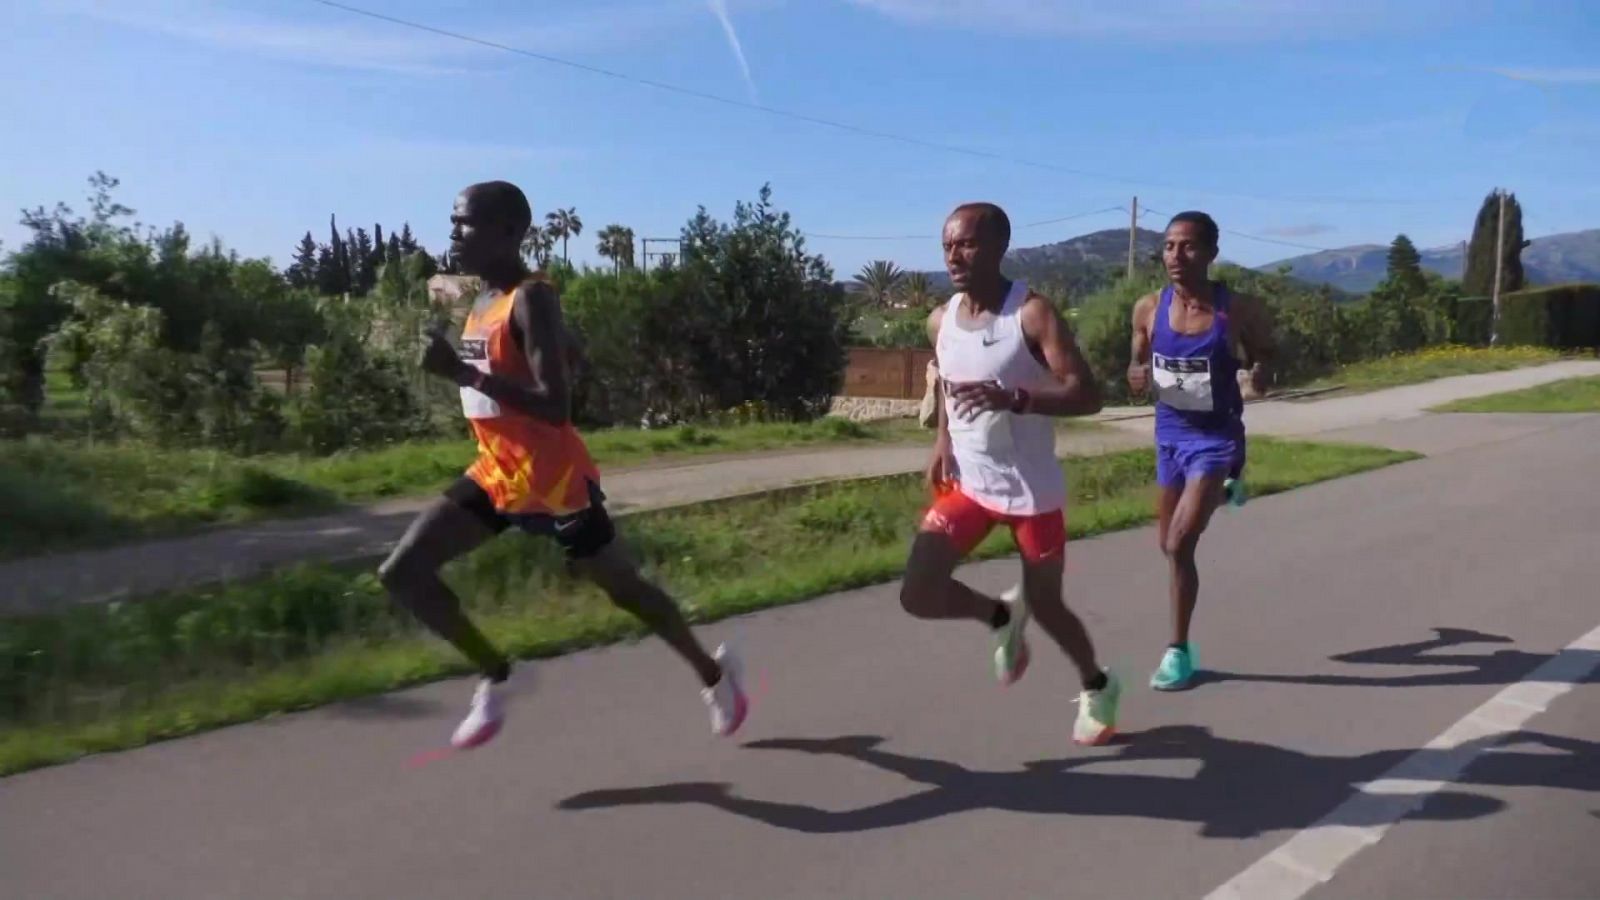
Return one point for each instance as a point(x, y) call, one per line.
point(104, 678)
point(58, 493)
point(1434, 362)
point(1571, 395)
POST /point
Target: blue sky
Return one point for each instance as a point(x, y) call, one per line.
point(1319, 122)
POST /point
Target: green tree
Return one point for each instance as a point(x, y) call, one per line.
point(769, 326)
point(333, 263)
point(408, 243)
point(98, 250)
point(916, 290)
point(303, 272)
point(1405, 266)
point(1478, 280)
point(616, 244)
point(138, 385)
point(538, 244)
point(564, 224)
point(356, 396)
point(877, 280)
point(364, 269)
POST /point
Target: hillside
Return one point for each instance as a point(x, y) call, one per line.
point(1079, 265)
point(1553, 259)
point(1076, 267)
point(1563, 258)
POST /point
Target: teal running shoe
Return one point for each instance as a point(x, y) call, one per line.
point(1176, 670)
point(1235, 492)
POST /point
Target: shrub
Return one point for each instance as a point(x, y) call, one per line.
point(1565, 316)
point(357, 396)
point(139, 387)
point(1105, 333)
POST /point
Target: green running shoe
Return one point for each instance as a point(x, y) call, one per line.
point(1176, 670)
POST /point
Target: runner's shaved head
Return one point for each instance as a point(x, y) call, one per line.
point(990, 217)
point(501, 201)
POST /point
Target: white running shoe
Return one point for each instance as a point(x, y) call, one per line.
point(1097, 713)
point(1010, 644)
point(726, 699)
point(483, 721)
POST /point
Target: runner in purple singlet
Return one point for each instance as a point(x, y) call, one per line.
point(1188, 343)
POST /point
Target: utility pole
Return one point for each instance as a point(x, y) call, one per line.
point(1133, 234)
point(645, 254)
point(1499, 256)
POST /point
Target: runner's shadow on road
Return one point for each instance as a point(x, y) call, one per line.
point(1243, 789)
point(1490, 668)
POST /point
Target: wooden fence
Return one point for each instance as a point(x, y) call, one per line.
point(891, 373)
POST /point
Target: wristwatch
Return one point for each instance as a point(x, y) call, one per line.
point(1020, 404)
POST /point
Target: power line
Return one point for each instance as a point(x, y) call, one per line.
point(1255, 237)
point(1081, 215)
point(1267, 240)
point(830, 123)
point(870, 237)
point(934, 237)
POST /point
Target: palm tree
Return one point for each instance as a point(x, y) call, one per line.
point(564, 224)
point(537, 244)
point(878, 279)
point(616, 244)
point(916, 290)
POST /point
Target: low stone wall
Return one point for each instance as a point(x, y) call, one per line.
point(870, 409)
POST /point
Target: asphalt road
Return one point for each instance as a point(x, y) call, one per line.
point(1344, 626)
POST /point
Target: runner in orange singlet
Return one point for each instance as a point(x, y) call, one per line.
point(533, 471)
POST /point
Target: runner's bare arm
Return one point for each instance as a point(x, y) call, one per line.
point(935, 319)
point(1139, 358)
point(940, 469)
point(536, 314)
point(1076, 392)
point(1253, 320)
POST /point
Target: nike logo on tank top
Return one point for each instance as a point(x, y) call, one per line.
point(1005, 462)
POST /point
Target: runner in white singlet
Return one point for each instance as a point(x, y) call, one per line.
point(1007, 364)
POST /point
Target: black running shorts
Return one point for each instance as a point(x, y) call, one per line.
point(581, 534)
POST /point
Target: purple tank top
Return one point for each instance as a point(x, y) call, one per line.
point(1195, 376)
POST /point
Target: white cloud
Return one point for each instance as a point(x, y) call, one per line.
point(1550, 76)
point(357, 45)
point(1163, 21)
point(345, 40)
point(1354, 134)
point(719, 8)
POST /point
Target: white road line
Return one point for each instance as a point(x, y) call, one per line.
point(1312, 856)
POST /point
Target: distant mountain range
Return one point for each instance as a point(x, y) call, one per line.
point(1554, 259)
point(1087, 263)
point(1080, 264)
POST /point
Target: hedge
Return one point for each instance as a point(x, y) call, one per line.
point(1564, 316)
point(1474, 318)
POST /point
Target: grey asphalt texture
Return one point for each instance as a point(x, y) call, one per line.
point(1341, 627)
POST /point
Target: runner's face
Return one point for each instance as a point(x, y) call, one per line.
point(478, 237)
point(1187, 255)
point(970, 249)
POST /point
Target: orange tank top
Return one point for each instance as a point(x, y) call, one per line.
point(524, 464)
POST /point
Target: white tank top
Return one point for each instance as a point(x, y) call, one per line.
point(1006, 462)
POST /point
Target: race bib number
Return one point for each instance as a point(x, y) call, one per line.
point(1183, 382)
point(474, 403)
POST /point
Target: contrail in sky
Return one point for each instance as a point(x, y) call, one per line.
point(719, 8)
